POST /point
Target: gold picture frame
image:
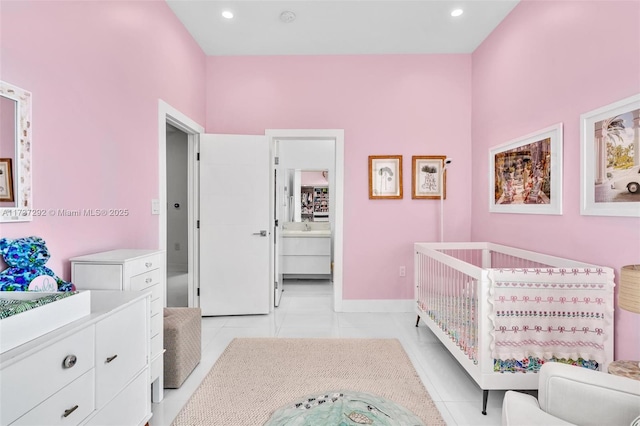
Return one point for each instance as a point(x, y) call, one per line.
point(428, 177)
point(385, 177)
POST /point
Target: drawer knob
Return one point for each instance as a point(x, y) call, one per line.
point(69, 411)
point(111, 358)
point(148, 264)
point(148, 280)
point(69, 361)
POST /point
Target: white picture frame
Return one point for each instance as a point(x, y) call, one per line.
point(605, 133)
point(525, 174)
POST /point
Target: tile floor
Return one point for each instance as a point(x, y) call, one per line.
point(306, 311)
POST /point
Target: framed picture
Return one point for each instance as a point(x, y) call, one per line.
point(385, 176)
point(6, 180)
point(428, 177)
point(525, 175)
point(610, 159)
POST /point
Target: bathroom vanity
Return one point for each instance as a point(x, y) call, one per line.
point(306, 249)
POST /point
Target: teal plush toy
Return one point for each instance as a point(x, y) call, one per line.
point(26, 258)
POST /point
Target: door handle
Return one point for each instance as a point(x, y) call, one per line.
point(262, 233)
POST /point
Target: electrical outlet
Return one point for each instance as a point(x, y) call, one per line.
point(176, 246)
point(403, 271)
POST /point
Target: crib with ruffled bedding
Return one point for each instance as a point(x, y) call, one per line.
point(502, 312)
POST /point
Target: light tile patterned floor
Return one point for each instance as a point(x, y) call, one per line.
point(306, 311)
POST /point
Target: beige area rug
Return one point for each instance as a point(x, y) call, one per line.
point(256, 376)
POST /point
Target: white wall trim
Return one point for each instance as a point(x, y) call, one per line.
point(168, 114)
point(338, 136)
point(378, 306)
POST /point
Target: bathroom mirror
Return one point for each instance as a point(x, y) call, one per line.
point(307, 195)
point(15, 154)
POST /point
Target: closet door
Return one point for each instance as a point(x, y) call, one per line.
point(234, 225)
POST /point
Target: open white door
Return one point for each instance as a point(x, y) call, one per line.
point(234, 225)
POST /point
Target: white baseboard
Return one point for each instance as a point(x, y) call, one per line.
point(402, 305)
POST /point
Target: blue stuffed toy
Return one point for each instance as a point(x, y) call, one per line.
point(26, 258)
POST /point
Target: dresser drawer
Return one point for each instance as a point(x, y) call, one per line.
point(306, 265)
point(144, 264)
point(145, 280)
point(156, 324)
point(310, 246)
point(157, 367)
point(129, 407)
point(156, 304)
point(92, 276)
point(156, 345)
point(157, 292)
point(35, 378)
point(69, 406)
point(121, 349)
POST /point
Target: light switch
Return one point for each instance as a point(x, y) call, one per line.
point(155, 206)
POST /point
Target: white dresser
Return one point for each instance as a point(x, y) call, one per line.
point(135, 270)
point(92, 371)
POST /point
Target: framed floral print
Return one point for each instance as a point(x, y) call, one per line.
point(428, 177)
point(385, 177)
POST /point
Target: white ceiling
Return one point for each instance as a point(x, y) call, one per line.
point(326, 27)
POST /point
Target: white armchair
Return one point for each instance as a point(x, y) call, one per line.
point(569, 395)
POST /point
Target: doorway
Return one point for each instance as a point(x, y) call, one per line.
point(177, 217)
point(170, 115)
point(184, 127)
point(319, 150)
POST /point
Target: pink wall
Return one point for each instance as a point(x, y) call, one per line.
point(387, 105)
point(549, 62)
point(96, 70)
point(313, 179)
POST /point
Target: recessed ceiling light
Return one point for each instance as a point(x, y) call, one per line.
point(227, 14)
point(456, 12)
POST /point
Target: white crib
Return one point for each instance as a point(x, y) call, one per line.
point(502, 311)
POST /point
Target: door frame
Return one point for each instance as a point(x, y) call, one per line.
point(170, 115)
point(337, 135)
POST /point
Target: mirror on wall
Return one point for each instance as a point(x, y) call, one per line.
point(15, 154)
point(307, 195)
